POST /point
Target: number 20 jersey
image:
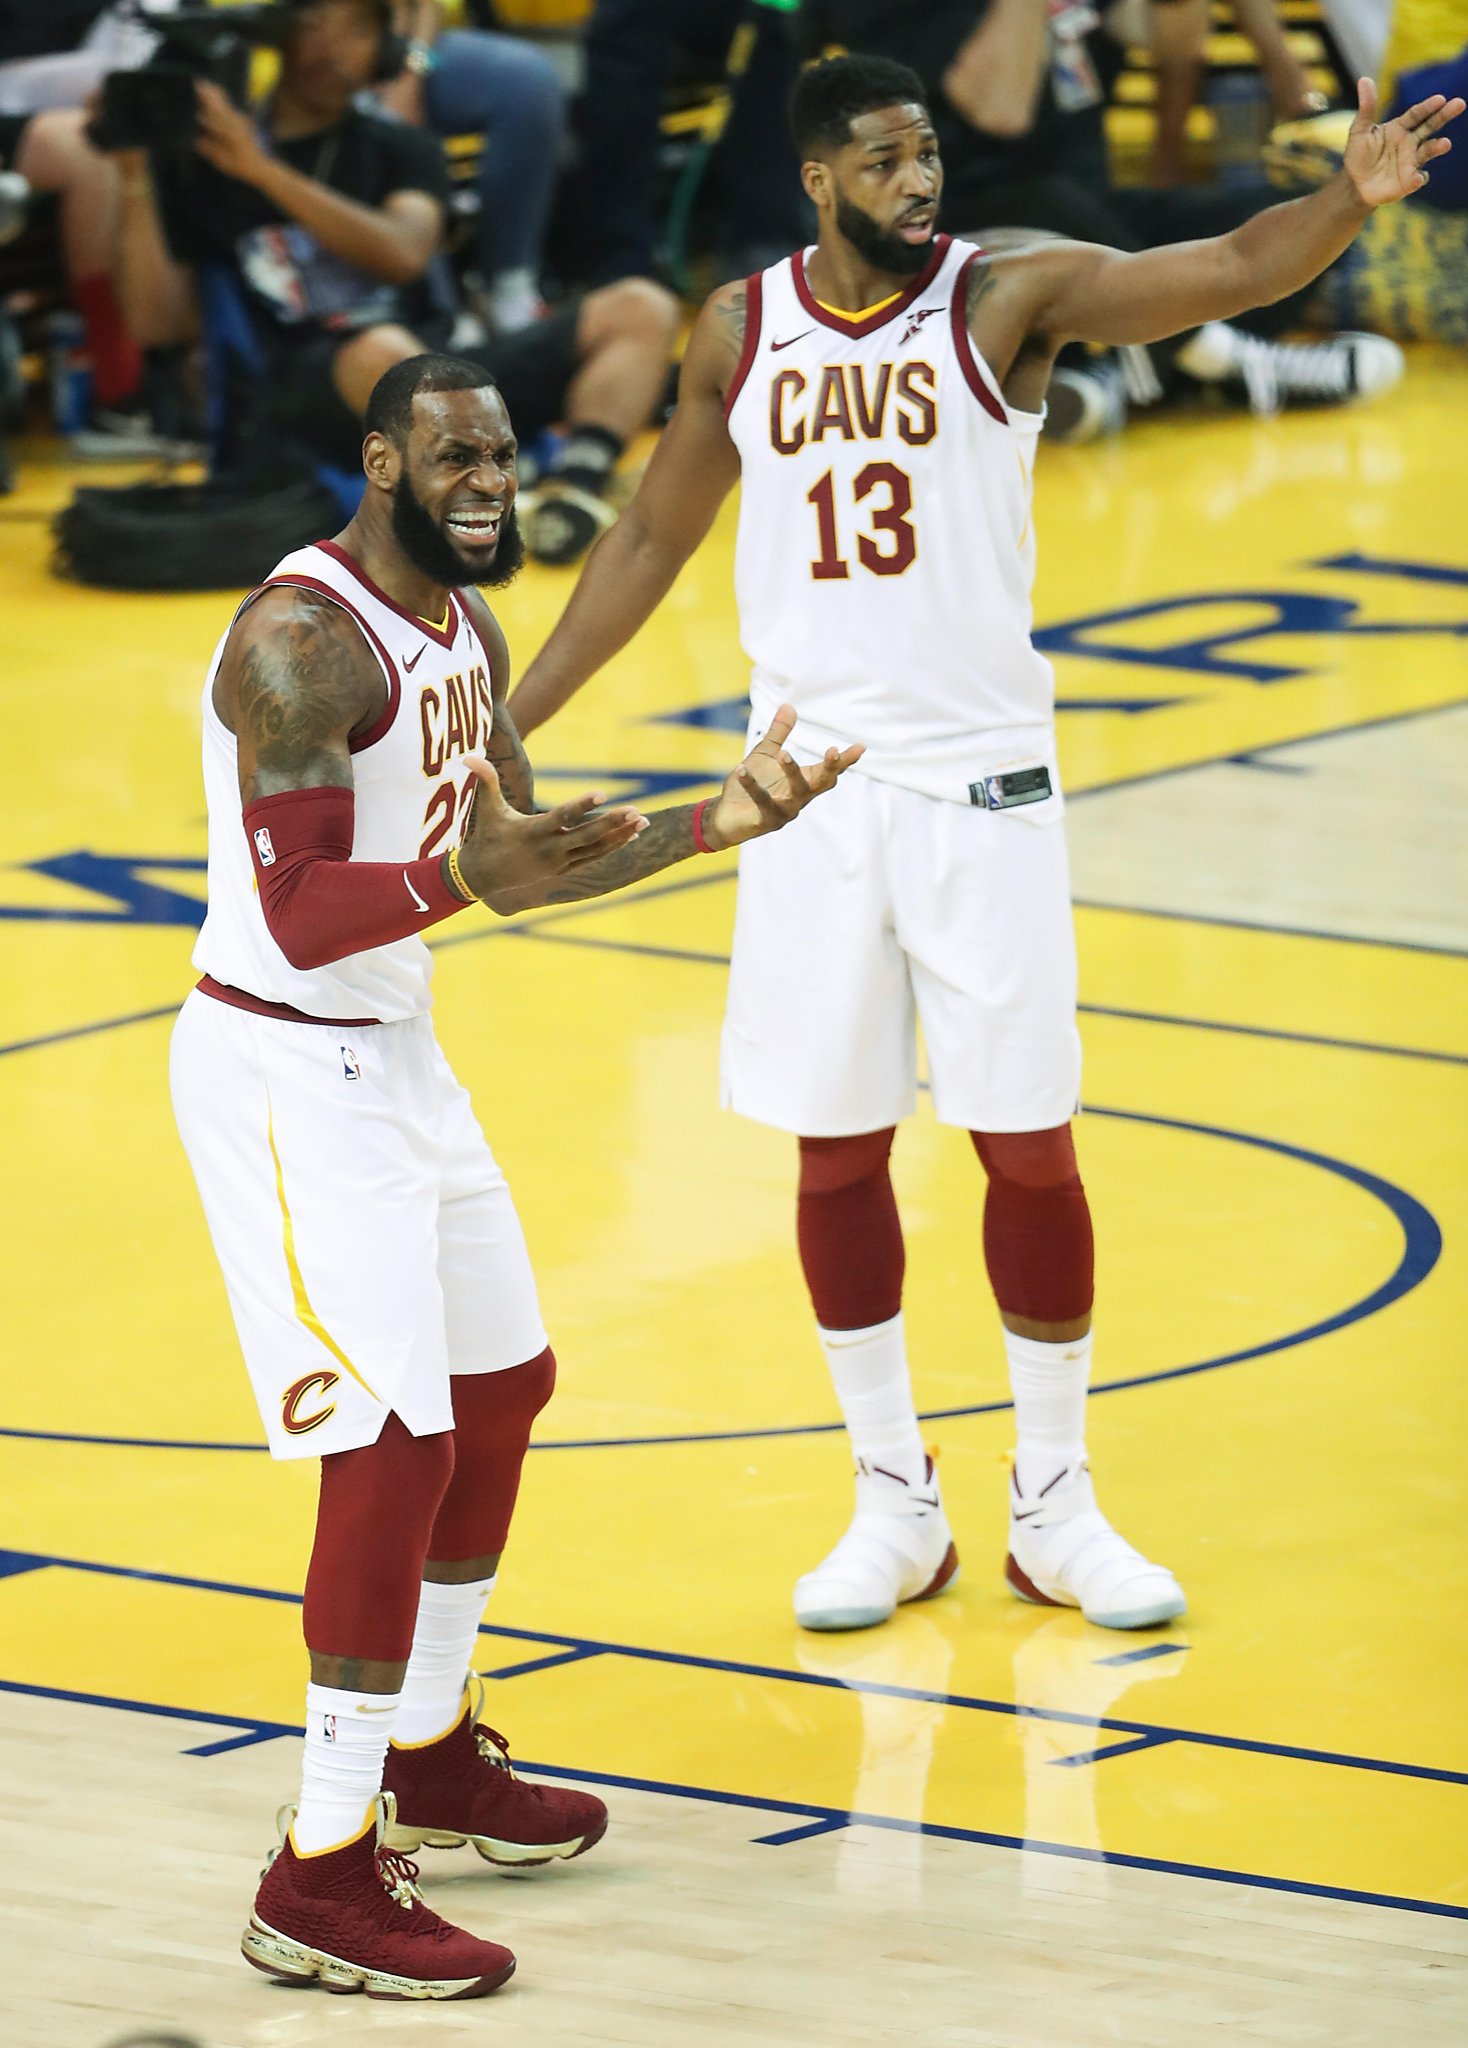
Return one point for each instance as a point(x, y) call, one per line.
point(885, 554)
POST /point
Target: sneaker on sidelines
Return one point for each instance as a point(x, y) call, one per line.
point(1274, 374)
point(560, 521)
point(1064, 1553)
point(898, 1548)
point(462, 1788)
point(353, 1919)
point(1085, 401)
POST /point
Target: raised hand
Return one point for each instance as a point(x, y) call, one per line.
point(1389, 162)
point(769, 787)
point(504, 850)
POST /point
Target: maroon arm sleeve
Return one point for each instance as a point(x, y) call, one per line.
point(319, 903)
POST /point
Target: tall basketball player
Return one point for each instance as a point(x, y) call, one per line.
point(370, 1247)
point(880, 395)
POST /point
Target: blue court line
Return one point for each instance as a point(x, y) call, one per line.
point(1422, 1247)
point(565, 1649)
point(1301, 739)
point(1334, 1044)
point(1283, 931)
point(1144, 1656)
point(815, 1819)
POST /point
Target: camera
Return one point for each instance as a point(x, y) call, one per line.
point(156, 106)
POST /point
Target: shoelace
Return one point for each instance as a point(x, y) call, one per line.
point(399, 1875)
point(1271, 370)
point(493, 1747)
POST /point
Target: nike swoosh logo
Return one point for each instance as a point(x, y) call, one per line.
point(776, 346)
point(410, 666)
point(422, 906)
point(378, 1710)
point(1028, 1516)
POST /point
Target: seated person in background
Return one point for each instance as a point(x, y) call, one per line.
point(1175, 33)
point(51, 58)
point(1018, 94)
point(472, 82)
point(330, 219)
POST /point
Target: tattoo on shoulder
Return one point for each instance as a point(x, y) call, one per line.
point(732, 313)
point(298, 694)
point(981, 281)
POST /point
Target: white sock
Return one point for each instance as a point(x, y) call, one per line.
point(341, 1772)
point(869, 1372)
point(1211, 354)
point(1049, 1383)
point(514, 299)
point(438, 1665)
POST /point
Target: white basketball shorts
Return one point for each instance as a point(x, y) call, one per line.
point(879, 908)
point(369, 1242)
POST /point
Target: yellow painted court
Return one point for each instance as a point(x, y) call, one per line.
point(985, 1823)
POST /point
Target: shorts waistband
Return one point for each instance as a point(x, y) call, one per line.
point(241, 999)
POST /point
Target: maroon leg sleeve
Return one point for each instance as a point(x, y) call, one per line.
point(376, 1510)
point(493, 1412)
point(1037, 1225)
point(847, 1226)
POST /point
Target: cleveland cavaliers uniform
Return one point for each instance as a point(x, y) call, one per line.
point(369, 1242)
point(883, 571)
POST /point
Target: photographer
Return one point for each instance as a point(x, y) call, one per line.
point(328, 217)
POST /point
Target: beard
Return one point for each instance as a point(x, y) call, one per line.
point(434, 555)
point(882, 247)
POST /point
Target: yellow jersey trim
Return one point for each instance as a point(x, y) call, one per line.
point(305, 1313)
point(866, 311)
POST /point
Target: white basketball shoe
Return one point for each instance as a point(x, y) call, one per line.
point(898, 1548)
point(1064, 1553)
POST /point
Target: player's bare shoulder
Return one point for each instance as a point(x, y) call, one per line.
point(296, 680)
point(716, 345)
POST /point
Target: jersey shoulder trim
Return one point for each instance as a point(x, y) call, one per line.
point(380, 725)
point(445, 637)
point(754, 295)
point(855, 329)
point(963, 347)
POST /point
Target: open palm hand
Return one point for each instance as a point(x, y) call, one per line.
point(1388, 161)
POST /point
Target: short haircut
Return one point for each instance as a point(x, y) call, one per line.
point(830, 95)
point(390, 408)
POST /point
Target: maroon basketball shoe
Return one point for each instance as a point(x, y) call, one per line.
point(353, 1919)
point(463, 1788)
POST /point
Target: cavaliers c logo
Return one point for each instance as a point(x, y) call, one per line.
point(296, 1424)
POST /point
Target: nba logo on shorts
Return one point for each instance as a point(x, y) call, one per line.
point(265, 847)
point(351, 1065)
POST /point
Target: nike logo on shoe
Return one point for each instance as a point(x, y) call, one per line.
point(411, 665)
point(776, 346)
point(422, 906)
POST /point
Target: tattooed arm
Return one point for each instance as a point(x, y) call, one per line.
point(295, 683)
point(632, 567)
point(766, 790)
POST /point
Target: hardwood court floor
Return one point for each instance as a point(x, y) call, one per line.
point(985, 1824)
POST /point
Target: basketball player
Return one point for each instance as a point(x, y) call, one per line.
point(880, 395)
point(364, 783)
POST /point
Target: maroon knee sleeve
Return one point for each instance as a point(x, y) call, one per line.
point(493, 1412)
point(372, 1526)
point(1038, 1244)
point(847, 1226)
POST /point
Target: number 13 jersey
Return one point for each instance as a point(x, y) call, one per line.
point(885, 555)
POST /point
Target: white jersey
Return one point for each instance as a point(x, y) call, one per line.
point(408, 775)
point(886, 552)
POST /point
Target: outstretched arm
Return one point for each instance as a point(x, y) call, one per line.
point(631, 569)
point(766, 790)
point(1077, 291)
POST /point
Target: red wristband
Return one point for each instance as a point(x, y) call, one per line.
point(698, 839)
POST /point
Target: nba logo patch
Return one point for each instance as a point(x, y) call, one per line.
point(351, 1065)
point(265, 847)
point(328, 1727)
